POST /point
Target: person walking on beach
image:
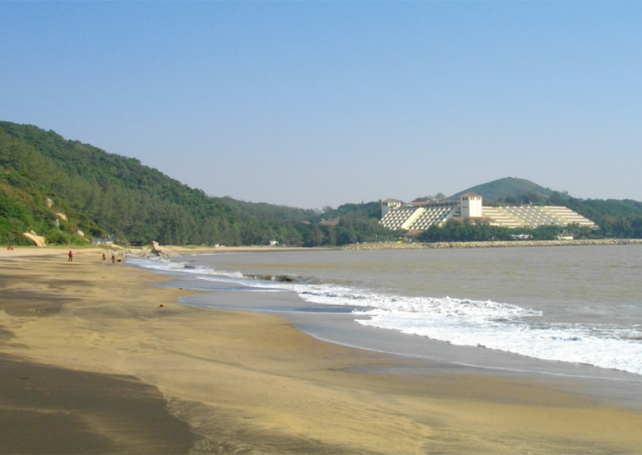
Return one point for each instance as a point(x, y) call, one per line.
point(104, 256)
point(71, 256)
point(113, 258)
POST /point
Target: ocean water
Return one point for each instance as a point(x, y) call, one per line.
point(569, 304)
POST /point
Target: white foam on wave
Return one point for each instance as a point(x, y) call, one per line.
point(462, 322)
point(616, 348)
point(164, 265)
point(487, 324)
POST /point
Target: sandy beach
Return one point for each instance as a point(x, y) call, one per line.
point(95, 359)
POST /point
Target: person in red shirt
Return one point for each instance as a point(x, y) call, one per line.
point(71, 256)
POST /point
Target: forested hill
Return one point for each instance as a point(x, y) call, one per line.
point(104, 194)
point(271, 211)
point(505, 188)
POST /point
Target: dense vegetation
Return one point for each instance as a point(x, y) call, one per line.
point(271, 211)
point(467, 231)
point(367, 210)
point(104, 194)
point(282, 212)
point(616, 218)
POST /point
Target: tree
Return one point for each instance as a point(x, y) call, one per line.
point(622, 228)
point(464, 231)
point(555, 198)
point(547, 232)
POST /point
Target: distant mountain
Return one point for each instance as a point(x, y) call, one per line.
point(508, 187)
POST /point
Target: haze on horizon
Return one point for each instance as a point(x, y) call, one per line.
point(311, 104)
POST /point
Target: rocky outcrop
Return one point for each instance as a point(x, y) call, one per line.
point(495, 244)
point(36, 239)
point(281, 278)
point(162, 252)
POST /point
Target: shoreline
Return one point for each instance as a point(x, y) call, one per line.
point(493, 244)
point(177, 250)
point(417, 354)
point(249, 382)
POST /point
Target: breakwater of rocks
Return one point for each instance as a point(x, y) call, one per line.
point(493, 244)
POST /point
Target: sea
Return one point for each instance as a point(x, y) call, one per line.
point(563, 305)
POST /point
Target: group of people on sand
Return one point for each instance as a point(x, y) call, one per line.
point(71, 256)
point(113, 258)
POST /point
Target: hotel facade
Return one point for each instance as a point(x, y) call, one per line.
point(419, 216)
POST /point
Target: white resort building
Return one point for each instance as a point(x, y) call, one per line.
point(419, 216)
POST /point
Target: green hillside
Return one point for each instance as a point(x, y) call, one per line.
point(272, 211)
point(282, 212)
point(104, 194)
point(364, 209)
point(119, 194)
point(506, 188)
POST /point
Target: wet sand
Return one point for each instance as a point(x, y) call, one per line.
point(110, 370)
point(416, 355)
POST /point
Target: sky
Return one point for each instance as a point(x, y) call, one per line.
point(310, 104)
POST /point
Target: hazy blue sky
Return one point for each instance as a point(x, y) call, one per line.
point(320, 103)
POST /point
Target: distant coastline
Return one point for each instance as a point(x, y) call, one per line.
point(495, 244)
